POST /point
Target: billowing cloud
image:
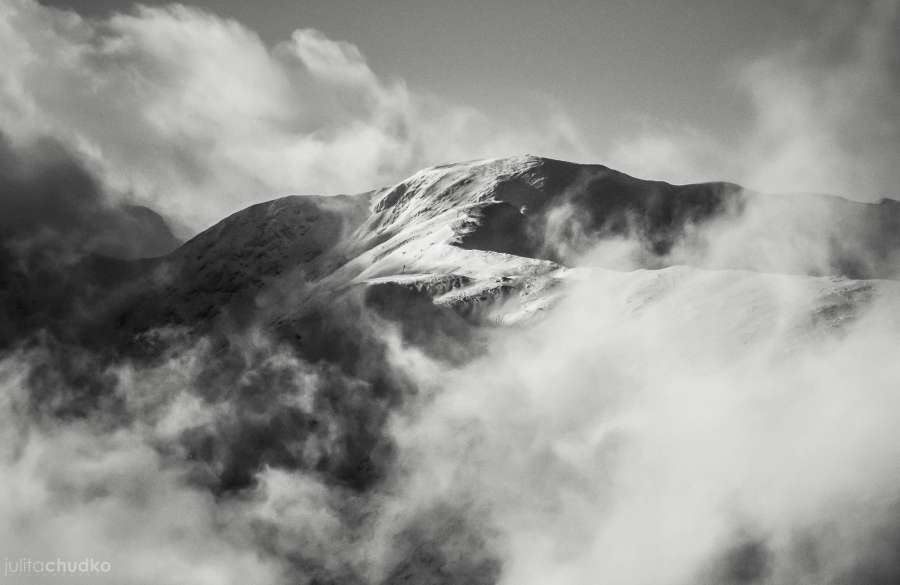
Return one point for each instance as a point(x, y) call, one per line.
point(194, 113)
point(678, 426)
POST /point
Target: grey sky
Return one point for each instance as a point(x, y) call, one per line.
point(186, 110)
point(612, 65)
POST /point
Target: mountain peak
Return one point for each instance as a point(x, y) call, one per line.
point(472, 233)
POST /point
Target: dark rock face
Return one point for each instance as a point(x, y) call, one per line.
point(558, 210)
point(556, 199)
point(275, 258)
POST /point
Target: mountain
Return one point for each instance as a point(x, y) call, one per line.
point(442, 257)
point(290, 338)
point(478, 242)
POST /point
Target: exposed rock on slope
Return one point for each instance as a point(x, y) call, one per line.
point(490, 240)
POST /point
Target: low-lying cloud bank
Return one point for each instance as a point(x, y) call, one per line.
point(680, 426)
point(730, 426)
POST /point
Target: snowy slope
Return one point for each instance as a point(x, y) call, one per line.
point(492, 241)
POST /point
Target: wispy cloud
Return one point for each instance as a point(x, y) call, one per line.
point(825, 116)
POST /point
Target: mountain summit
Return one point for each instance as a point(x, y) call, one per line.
point(487, 239)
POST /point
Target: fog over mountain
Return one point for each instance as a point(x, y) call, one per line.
point(504, 370)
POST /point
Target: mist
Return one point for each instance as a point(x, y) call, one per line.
point(677, 426)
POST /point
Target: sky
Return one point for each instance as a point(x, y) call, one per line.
point(609, 63)
point(203, 108)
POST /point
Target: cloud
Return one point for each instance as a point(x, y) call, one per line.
point(657, 427)
point(61, 237)
point(678, 426)
point(49, 200)
point(88, 490)
point(195, 114)
point(825, 116)
point(218, 460)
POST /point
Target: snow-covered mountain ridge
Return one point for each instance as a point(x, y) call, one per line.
point(474, 236)
point(489, 241)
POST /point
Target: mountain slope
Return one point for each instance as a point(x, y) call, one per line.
point(371, 389)
point(489, 240)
